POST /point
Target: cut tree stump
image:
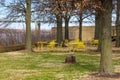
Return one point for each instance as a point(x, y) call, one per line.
point(70, 58)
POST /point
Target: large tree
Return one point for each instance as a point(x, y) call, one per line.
point(28, 25)
point(80, 5)
point(98, 28)
point(67, 13)
point(85, 8)
point(97, 25)
point(20, 9)
point(57, 10)
point(59, 29)
point(66, 19)
point(106, 66)
point(118, 24)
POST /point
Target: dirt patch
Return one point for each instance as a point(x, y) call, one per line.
point(97, 76)
point(16, 52)
point(115, 75)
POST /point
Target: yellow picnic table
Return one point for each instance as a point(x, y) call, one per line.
point(41, 44)
point(95, 42)
point(77, 45)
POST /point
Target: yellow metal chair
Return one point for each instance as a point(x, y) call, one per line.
point(40, 45)
point(51, 44)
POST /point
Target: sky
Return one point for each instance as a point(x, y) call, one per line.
point(47, 26)
point(44, 26)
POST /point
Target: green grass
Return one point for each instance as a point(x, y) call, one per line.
point(46, 66)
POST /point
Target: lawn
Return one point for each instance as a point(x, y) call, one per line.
point(47, 66)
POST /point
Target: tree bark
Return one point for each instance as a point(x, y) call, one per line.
point(97, 25)
point(106, 66)
point(28, 26)
point(80, 21)
point(80, 28)
point(98, 28)
point(59, 30)
point(118, 24)
point(37, 31)
point(66, 28)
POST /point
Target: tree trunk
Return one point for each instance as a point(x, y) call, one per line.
point(118, 24)
point(106, 66)
point(66, 28)
point(70, 58)
point(98, 28)
point(80, 20)
point(28, 26)
point(37, 31)
point(59, 30)
point(80, 27)
point(97, 25)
